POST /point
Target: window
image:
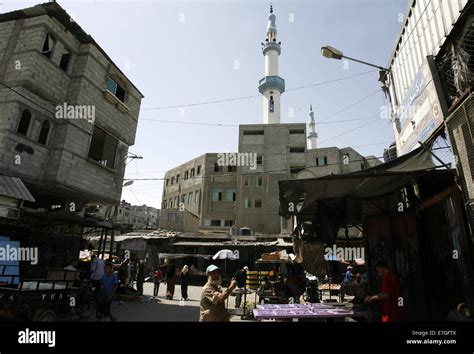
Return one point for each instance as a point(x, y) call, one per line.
point(196, 197)
point(259, 159)
point(172, 180)
point(117, 90)
point(193, 172)
point(48, 46)
point(190, 198)
point(215, 223)
point(44, 132)
point(198, 170)
point(247, 203)
point(296, 131)
point(297, 149)
point(185, 199)
point(271, 106)
point(258, 203)
point(24, 124)
point(259, 181)
point(64, 63)
point(103, 148)
point(177, 178)
point(232, 169)
point(217, 168)
point(228, 222)
point(362, 166)
point(216, 195)
point(253, 132)
point(321, 161)
point(230, 195)
point(167, 182)
point(248, 180)
point(186, 175)
point(172, 217)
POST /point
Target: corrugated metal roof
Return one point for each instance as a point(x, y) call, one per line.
point(225, 244)
point(13, 187)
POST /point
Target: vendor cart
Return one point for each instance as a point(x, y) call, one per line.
point(45, 297)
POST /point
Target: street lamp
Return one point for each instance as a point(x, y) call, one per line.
point(333, 53)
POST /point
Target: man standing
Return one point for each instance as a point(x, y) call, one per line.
point(241, 278)
point(108, 288)
point(97, 271)
point(346, 283)
point(140, 276)
point(391, 295)
point(157, 277)
point(212, 307)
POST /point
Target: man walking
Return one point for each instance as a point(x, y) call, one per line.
point(241, 278)
point(109, 284)
point(212, 306)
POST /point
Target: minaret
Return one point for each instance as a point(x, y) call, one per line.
point(272, 85)
point(312, 135)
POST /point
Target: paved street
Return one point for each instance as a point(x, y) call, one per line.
point(161, 309)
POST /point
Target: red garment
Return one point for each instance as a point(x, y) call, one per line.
point(391, 311)
point(157, 276)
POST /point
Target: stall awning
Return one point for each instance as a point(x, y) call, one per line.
point(297, 195)
point(182, 255)
point(13, 187)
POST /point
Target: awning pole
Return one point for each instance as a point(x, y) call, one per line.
point(433, 154)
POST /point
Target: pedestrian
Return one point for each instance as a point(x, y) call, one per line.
point(212, 305)
point(346, 283)
point(157, 277)
point(170, 281)
point(109, 284)
point(97, 271)
point(391, 295)
point(241, 277)
point(184, 275)
point(140, 276)
point(134, 270)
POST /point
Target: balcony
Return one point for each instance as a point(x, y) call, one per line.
point(271, 82)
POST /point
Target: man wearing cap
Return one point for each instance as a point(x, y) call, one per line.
point(241, 277)
point(212, 307)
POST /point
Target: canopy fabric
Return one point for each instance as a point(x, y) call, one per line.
point(297, 195)
point(226, 254)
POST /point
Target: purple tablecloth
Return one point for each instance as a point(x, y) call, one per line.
point(308, 310)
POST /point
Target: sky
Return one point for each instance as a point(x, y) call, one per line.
point(182, 53)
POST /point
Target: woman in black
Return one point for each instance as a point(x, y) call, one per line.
point(184, 275)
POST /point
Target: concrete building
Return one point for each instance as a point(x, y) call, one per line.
point(137, 217)
point(217, 191)
point(199, 194)
point(68, 114)
point(67, 118)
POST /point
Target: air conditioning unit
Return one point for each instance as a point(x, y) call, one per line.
point(9, 212)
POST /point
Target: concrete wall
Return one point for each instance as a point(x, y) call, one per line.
point(63, 162)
